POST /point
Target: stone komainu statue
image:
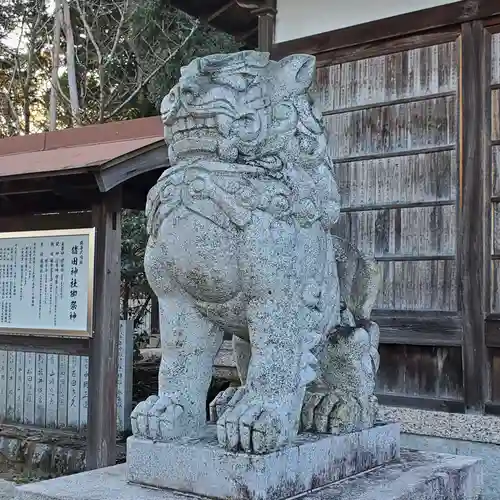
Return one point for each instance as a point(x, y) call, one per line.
point(240, 241)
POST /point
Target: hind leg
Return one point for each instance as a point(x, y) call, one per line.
point(281, 328)
point(189, 345)
point(242, 353)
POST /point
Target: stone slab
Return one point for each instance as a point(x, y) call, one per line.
point(59, 399)
point(416, 476)
point(202, 467)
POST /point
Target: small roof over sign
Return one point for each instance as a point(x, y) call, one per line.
point(76, 149)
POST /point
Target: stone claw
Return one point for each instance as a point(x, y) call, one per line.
point(334, 413)
point(347, 416)
point(223, 401)
point(253, 425)
point(158, 418)
point(316, 411)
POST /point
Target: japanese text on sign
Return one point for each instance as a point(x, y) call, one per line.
point(46, 281)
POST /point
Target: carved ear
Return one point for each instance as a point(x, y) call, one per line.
point(299, 71)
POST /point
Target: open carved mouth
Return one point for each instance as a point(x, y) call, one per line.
point(191, 128)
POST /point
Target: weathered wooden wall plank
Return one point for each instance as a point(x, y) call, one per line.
point(392, 129)
point(403, 232)
point(495, 287)
point(422, 178)
point(414, 73)
point(495, 174)
point(494, 364)
point(495, 115)
point(493, 300)
point(392, 123)
point(418, 285)
point(495, 58)
point(421, 371)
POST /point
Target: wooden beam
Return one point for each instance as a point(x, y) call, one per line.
point(421, 403)
point(49, 183)
point(267, 21)
point(75, 220)
point(472, 235)
point(392, 27)
point(101, 441)
point(116, 172)
point(220, 11)
point(492, 409)
point(415, 328)
point(49, 345)
point(384, 47)
point(50, 204)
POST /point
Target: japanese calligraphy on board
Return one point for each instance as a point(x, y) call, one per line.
point(46, 282)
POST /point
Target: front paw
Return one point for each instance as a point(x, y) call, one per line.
point(334, 413)
point(255, 426)
point(159, 418)
point(223, 401)
point(317, 410)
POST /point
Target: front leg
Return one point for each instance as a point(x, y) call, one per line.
point(266, 415)
point(189, 345)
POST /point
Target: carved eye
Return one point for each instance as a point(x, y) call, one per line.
point(246, 121)
point(188, 96)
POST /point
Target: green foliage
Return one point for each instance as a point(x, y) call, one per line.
point(128, 54)
point(134, 239)
point(153, 26)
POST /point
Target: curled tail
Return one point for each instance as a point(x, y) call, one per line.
point(359, 280)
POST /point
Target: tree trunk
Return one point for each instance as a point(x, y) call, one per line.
point(56, 48)
point(71, 65)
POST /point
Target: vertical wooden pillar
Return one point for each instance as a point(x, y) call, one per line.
point(266, 13)
point(473, 236)
point(101, 435)
point(267, 21)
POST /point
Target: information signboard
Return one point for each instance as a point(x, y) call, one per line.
point(46, 282)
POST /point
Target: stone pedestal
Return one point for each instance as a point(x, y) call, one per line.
point(202, 467)
point(416, 476)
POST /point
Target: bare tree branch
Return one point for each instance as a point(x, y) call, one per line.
point(155, 71)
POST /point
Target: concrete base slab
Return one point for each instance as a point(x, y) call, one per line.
point(201, 467)
point(416, 476)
